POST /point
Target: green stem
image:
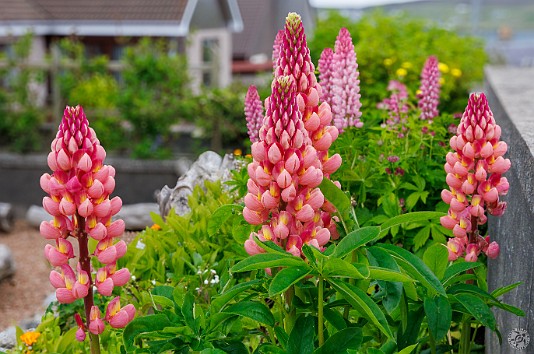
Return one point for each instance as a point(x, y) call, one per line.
point(320, 312)
point(432, 343)
point(465, 337)
point(85, 263)
point(289, 319)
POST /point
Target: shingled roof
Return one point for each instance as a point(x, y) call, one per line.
point(102, 17)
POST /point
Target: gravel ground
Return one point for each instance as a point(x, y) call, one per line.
point(22, 295)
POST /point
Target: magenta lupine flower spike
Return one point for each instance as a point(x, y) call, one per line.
point(276, 47)
point(326, 69)
point(282, 190)
point(345, 84)
point(474, 175)
point(430, 88)
point(79, 190)
point(253, 113)
point(396, 104)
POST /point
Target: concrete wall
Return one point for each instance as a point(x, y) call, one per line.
point(510, 94)
point(136, 180)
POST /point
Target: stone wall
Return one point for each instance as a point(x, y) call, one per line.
point(510, 94)
point(136, 180)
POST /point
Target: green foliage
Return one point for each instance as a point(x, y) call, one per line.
point(385, 44)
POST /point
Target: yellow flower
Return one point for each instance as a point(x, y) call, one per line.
point(441, 80)
point(402, 72)
point(388, 61)
point(407, 65)
point(30, 338)
point(155, 227)
point(238, 152)
point(444, 68)
point(248, 156)
point(418, 92)
point(456, 72)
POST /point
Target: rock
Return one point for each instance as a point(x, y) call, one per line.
point(7, 217)
point(8, 338)
point(137, 216)
point(209, 166)
point(7, 263)
point(36, 214)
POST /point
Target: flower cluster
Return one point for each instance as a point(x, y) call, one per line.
point(291, 158)
point(253, 113)
point(276, 47)
point(474, 175)
point(430, 88)
point(396, 104)
point(345, 83)
point(79, 190)
point(326, 69)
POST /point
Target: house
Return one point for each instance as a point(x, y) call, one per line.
point(262, 19)
point(202, 29)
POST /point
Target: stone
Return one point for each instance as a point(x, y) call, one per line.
point(8, 338)
point(7, 217)
point(209, 166)
point(7, 263)
point(36, 214)
point(137, 216)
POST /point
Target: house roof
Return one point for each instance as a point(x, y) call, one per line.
point(104, 17)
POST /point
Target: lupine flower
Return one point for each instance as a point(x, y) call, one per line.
point(326, 69)
point(345, 83)
point(253, 113)
point(474, 175)
point(119, 317)
point(430, 88)
point(276, 47)
point(79, 202)
point(80, 333)
point(396, 104)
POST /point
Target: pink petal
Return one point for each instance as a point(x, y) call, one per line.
point(106, 287)
point(120, 320)
point(64, 296)
point(96, 326)
point(96, 190)
point(116, 228)
point(109, 255)
point(56, 280)
point(121, 277)
point(49, 231)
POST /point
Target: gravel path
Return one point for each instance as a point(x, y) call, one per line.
point(23, 294)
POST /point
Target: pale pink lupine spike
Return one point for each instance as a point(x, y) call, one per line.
point(326, 69)
point(430, 89)
point(253, 113)
point(474, 177)
point(345, 83)
point(278, 39)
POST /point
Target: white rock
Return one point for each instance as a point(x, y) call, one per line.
point(7, 263)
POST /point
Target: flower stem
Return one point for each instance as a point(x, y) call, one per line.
point(320, 313)
point(85, 263)
point(289, 320)
point(465, 337)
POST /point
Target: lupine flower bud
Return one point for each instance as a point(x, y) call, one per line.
point(474, 178)
point(253, 113)
point(430, 88)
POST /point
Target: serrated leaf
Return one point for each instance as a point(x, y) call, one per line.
point(220, 216)
point(439, 314)
point(436, 257)
point(355, 240)
point(287, 277)
point(253, 310)
point(267, 260)
point(363, 304)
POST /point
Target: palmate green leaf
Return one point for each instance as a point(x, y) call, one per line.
point(336, 267)
point(477, 308)
point(421, 237)
point(436, 257)
point(415, 268)
point(339, 342)
point(301, 337)
point(489, 298)
point(356, 239)
point(150, 323)
point(253, 310)
point(385, 274)
point(267, 260)
point(392, 287)
point(188, 311)
point(439, 314)
point(219, 301)
point(457, 268)
point(410, 217)
point(363, 304)
point(287, 277)
point(335, 196)
point(335, 318)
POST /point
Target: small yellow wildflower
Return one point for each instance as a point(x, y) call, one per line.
point(155, 227)
point(402, 72)
point(456, 72)
point(444, 68)
point(238, 152)
point(441, 80)
point(30, 338)
point(418, 92)
point(248, 156)
point(407, 65)
point(388, 61)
